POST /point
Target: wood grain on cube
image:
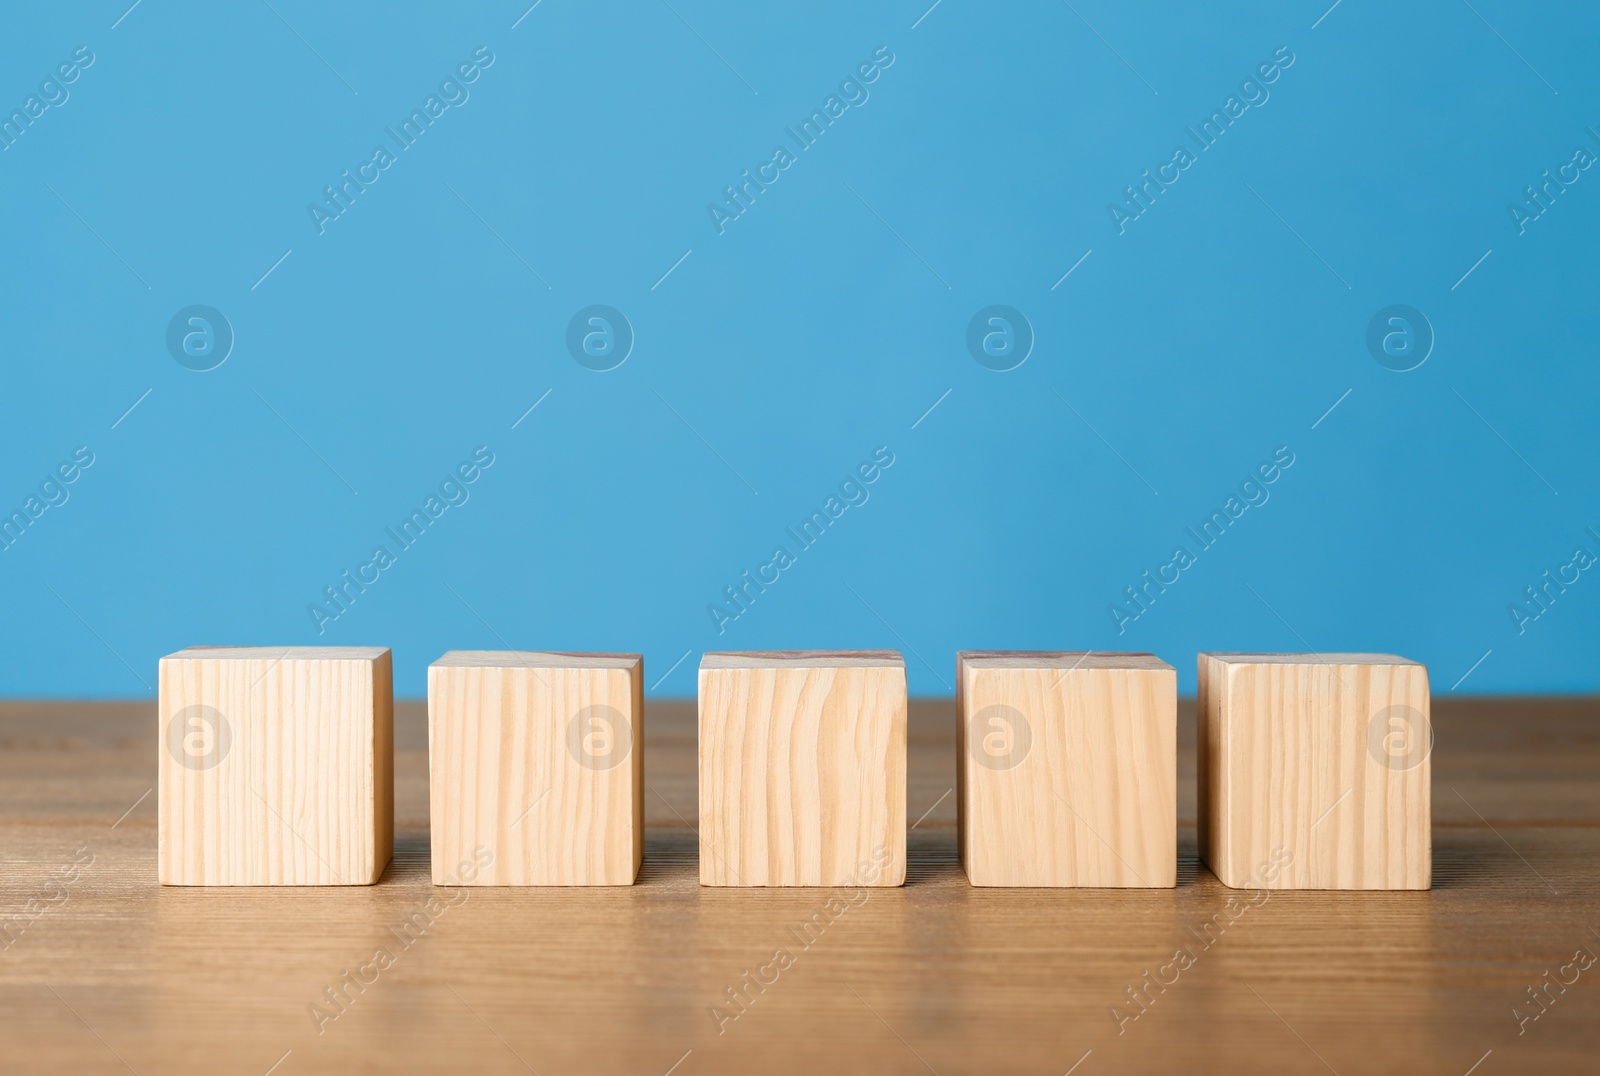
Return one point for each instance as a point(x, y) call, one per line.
point(803, 768)
point(1066, 769)
point(536, 768)
point(1314, 771)
point(275, 766)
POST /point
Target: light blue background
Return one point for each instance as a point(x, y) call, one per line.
point(824, 323)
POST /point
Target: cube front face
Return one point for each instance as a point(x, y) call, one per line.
point(536, 768)
point(803, 769)
point(275, 766)
point(1315, 771)
point(1067, 769)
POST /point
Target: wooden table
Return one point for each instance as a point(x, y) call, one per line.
point(110, 972)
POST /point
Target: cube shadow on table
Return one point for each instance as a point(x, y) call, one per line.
point(1066, 769)
point(536, 768)
point(803, 768)
point(275, 766)
point(1314, 771)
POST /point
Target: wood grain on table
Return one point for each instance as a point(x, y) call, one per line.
point(104, 970)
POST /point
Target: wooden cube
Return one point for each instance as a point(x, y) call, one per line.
point(1314, 771)
point(1067, 769)
point(536, 767)
point(803, 768)
point(276, 766)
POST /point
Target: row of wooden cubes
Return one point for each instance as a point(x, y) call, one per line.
point(1313, 769)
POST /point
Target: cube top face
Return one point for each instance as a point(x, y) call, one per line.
point(536, 767)
point(273, 654)
point(1060, 660)
point(275, 766)
point(1309, 659)
point(812, 659)
point(1315, 771)
point(534, 659)
point(1067, 769)
point(803, 769)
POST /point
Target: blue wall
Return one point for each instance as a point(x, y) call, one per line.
point(781, 348)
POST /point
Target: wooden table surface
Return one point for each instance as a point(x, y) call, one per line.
point(110, 972)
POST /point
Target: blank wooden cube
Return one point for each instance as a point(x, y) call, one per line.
point(803, 768)
point(1067, 769)
point(536, 767)
point(1314, 771)
point(276, 766)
